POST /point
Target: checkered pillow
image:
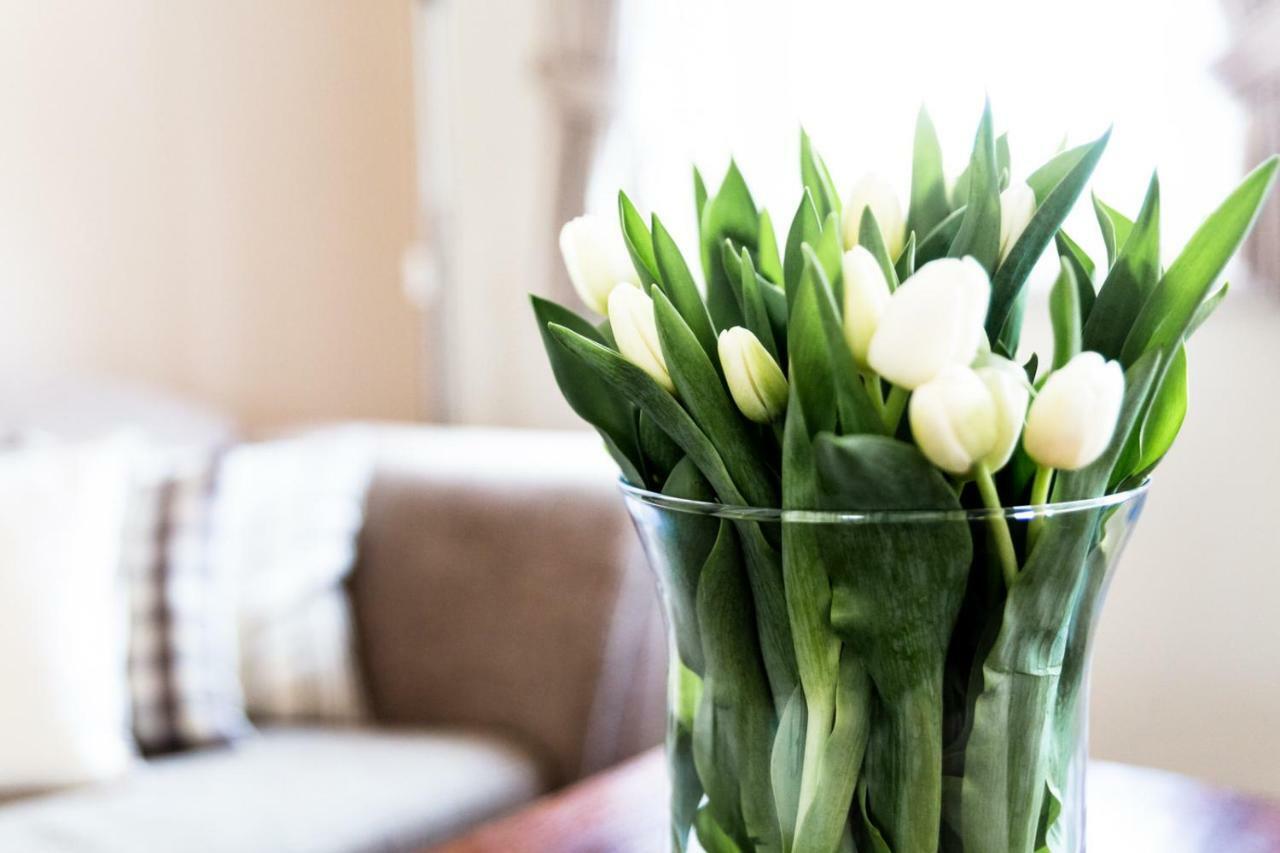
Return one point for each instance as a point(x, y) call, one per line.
point(183, 656)
point(237, 564)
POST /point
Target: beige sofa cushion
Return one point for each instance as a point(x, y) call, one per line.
point(297, 790)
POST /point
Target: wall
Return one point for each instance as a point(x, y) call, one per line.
point(498, 130)
point(212, 197)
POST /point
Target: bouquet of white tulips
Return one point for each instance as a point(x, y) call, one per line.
point(881, 539)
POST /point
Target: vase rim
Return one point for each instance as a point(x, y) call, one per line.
point(832, 516)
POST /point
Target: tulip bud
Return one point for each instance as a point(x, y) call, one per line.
point(636, 332)
point(934, 319)
point(1010, 392)
point(1017, 206)
point(597, 260)
point(755, 379)
point(953, 420)
point(1072, 419)
point(876, 193)
point(866, 293)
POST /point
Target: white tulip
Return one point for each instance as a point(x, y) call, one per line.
point(1017, 206)
point(876, 193)
point(866, 293)
point(597, 260)
point(636, 332)
point(1010, 392)
point(934, 319)
point(1074, 416)
point(755, 379)
point(953, 420)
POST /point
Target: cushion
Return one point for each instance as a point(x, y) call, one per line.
point(184, 679)
point(237, 561)
point(63, 718)
point(287, 790)
point(288, 518)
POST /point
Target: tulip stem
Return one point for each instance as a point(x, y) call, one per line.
point(776, 427)
point(875, 390)
point(1039, 497)
point(894, 407)
point(998, 524)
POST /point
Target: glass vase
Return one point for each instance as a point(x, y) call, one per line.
point(903, 681)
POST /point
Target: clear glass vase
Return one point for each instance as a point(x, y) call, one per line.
point(904, 681)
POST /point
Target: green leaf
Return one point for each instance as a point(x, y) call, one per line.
point(1003, 161)
point(906, 265)
point(686, 787)
point(736, 698)
point(1115, 227)
point(937, 242)
point(829, 250)
point(704, 395)
point(979, 234)
point(875, 838)
point(1043, 180)
point(730, 215)
point(770, 260)
point(755, 313)
point(766, 576)
point(639, 243)
point(731, 261)
point(699, 197)
point(711, 837)
point(775, 304)
point(853, 402)
point(787, 764)
point(808, 597)
point(816, 179)
point(1064, 314)
point(591, 398)
point(870, 238)
point(1171, 307)
point(1011, 334)
point(679, 285)
point(678, 565)
point(806, 227)
point(1163, 421)
point(896, 591)
point(809, 358)
point(1206, 309)
point(638, 387)
point(1082, 265)
point(660, 453)
point(928, 205)
point(1008, 283)
point(827, 816)
point(1132, 277)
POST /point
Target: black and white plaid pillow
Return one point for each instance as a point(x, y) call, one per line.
point(236, 564)
point(183, 657)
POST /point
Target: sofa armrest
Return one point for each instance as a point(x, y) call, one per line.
point(500, 584)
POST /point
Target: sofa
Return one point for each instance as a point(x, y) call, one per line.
point(510, 644)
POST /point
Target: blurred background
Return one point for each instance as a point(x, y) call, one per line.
point(272, 214)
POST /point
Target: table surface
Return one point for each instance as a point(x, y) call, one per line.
point(1130, 809)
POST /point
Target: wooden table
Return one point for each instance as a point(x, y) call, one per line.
point(1131, 810)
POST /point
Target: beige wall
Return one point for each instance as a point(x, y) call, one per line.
point(213, 196)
